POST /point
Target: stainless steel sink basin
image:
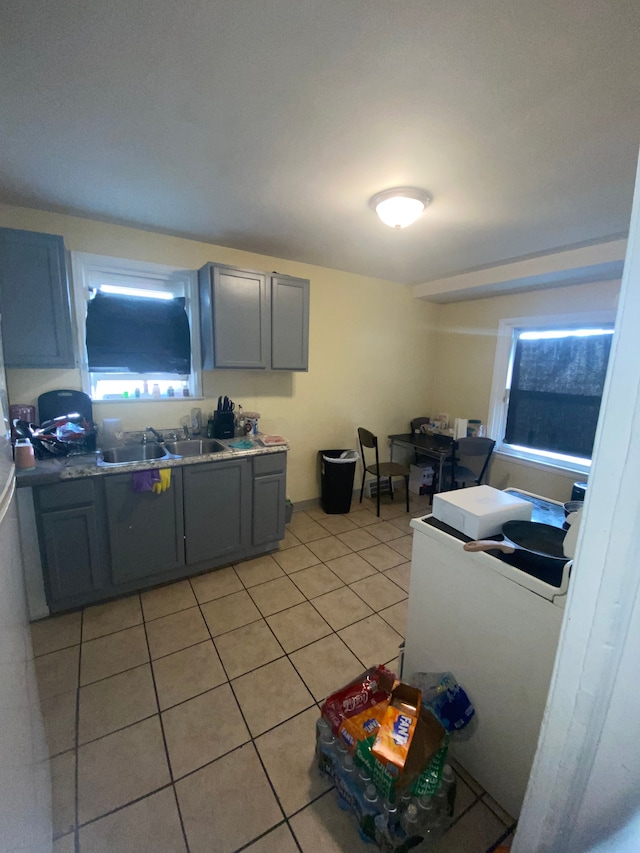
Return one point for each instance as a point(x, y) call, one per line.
point(134, 453)
point(194, 447)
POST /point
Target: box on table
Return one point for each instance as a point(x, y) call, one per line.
point(420, 477)
point(480, 511)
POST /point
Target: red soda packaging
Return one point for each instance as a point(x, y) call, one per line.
point(365, 691)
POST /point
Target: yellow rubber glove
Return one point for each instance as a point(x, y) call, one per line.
point(163, 483)
point(165, 479)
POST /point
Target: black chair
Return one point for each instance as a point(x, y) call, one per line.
point(380, 469)
point(467, 464)
point(416, 423)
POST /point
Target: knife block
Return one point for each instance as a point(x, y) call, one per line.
point(223, 424)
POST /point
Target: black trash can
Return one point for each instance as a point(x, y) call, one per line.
point(338, 468)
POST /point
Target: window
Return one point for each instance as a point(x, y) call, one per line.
point(137, 326)
point(547, 387)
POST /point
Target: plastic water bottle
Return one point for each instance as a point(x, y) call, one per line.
point(327, 741)
point(426, 811)
point(409, 820)
point(429, 827)
point(446, 793)
point(325, 747)
point(391, 815)
point(364, 777)
point(368, 811)
point(386, 823)
point(371, 797)
point(347, 772)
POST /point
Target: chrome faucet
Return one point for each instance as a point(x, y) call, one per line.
point(158, 435)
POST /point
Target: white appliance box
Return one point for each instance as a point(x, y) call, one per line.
point(480, 511)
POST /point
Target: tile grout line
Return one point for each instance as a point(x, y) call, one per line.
point(76, 828)
point(164, 737)
point(375, 570)
point(244, 719)
point(248, 672)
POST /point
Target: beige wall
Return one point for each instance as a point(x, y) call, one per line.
point(378, 356)
point(368, 362)
point(464, 344)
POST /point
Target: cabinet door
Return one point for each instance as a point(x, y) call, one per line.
point(73, 553)
point(217, 509)
point(146, 530)
point(70, 517)
point(34, 300)
point(289, 323)
point(269, 498)
point(234, 309)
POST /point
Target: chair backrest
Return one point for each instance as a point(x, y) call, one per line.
point(416, 423)
point(367, 439)
point(472, 453)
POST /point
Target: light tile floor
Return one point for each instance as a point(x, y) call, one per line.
point(182, 719)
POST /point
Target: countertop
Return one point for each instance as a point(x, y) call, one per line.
point(61, 468)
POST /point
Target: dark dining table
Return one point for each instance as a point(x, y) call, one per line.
point(434, 445)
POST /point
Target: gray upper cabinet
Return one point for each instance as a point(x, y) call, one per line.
point(146, 530)
point(234, 314)
point(289, 323)
point(34, 300)
point(252, 321)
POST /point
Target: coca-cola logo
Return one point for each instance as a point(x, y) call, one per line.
point(350, 703)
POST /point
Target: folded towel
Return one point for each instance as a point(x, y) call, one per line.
point(165, 481)
point(241, 444)
point(143, 481)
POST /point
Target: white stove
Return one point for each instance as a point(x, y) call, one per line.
point(496, 628)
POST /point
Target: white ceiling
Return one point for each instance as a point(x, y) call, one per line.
point(266, 125)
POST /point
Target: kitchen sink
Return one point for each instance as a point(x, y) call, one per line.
point(194, 447)
point(134, 453)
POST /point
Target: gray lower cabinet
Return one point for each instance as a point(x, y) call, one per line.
point(34, 300)
point(99, 539)
point(217, 510)
point(253, 321)
point(146, 530)
point(73, 543)
point(269, 498)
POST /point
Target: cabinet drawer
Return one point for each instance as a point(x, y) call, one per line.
point(59, 495)
point(270, 463)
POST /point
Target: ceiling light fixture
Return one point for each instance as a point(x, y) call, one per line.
point(400, 206)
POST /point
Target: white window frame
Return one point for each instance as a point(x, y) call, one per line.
point(499, 402)
point(90, 271)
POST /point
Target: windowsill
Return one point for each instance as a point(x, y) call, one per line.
point(128, 400)
point(544, 464)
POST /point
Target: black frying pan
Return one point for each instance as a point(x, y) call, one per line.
point(541, 542)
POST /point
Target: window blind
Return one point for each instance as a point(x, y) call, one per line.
point(556, 390)
point(137, 335)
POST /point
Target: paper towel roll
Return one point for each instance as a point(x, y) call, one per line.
point(460, 428)
point(111, 432)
